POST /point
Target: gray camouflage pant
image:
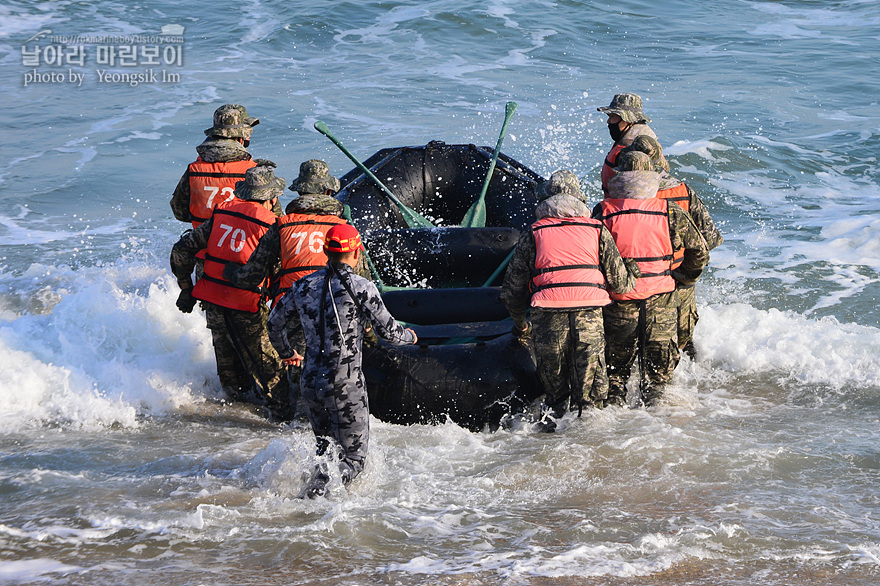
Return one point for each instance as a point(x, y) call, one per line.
point(339, 410)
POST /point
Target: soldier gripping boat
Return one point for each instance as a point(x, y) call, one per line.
point(441, 275)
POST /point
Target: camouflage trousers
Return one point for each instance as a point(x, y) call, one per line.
point(687, 318)
point(624, 336)
point(248, 366)
point(339, 412)
point(570, 356)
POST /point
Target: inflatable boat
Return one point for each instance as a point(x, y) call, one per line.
point(443, 280)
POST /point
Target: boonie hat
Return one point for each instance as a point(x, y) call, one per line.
point(232, 121)
point(314, 177)
point(634, 161)
point(562, 182)
point(260, 183)
point(342, 238)
point(651, 147)
point(628, 107)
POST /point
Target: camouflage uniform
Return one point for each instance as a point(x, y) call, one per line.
point(569, 343)
point(636, 179)
point(241, 346)
point(231, 121)
point(687, 304)
point(332, 381)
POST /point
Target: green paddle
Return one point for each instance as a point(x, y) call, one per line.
point(412, 218)
point(475, 217)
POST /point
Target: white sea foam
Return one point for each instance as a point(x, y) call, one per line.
point(34, 570)
point(104, 354)
point(743, 339)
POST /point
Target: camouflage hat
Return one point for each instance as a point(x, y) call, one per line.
point(260, 183)
point(314, 177)
point(628, 107)
point(634, 161)
point(652, 148)
point(232, 121)
point(562, 182)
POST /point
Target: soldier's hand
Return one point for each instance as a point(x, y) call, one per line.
point(522, 332)
point(416, 338)
point(632, 267)
point(186, 301)
point(295, 360)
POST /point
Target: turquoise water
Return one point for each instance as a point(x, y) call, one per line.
point(117, 466)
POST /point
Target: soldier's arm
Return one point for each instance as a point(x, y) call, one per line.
point(700, 215)
point(618, 277)
point(283, 326)
point(262, 262)
point(685, 235)
point(378, 315)
point(183, 253)
point(515, 289)
point(180, 200)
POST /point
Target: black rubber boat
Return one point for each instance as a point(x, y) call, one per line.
point(444, 282)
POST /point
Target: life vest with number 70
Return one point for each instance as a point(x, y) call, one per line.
point(236, 229)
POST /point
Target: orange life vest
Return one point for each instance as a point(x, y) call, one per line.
point(567, 272)
point(212, 183)
point(679, 194)
point(302, 247)
point(235, 231)
point(608, 166)
point(640, 228)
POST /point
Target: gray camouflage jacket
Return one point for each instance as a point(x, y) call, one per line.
point(337, 346)
point(515, 291)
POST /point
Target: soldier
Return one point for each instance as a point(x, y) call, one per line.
point(626, 121)
point(248, 366)
point(222, 161)
point(682, 194)
point(648, 230)
point(293, 248)
point(332, 309)
point(563, 267)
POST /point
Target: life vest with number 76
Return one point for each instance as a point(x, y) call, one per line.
point(302, 247)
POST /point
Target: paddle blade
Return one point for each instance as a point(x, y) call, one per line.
point(322, 128)
point(475, 217)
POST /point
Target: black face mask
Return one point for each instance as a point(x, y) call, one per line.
point(615, 132)
point(247, 143)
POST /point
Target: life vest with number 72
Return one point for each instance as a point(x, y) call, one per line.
point(212, 183)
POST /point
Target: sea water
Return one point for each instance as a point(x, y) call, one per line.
point(120, 464)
